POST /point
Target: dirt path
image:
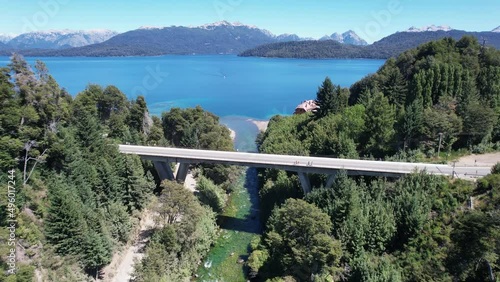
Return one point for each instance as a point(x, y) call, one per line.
point(190, 182)
point(479, 160)
point(122, 265)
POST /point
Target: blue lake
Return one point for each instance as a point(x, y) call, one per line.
point(232, 87)
point(223, 84)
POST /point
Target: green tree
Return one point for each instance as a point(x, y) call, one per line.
point(330, 98)
point(299, 237)
point(412, 205)
point(136, 189)
point(96, 252)
point(373, 268)
point(412, 122)
point(119, 220)
point(210, 194)
point(478, 123)
point(392, 83)
point(436, 121)
point(379, 120)
point(65, 226)
point(187, 233)
point(476, 239)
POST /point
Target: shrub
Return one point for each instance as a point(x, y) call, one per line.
point(211, 194)
point(496, 168)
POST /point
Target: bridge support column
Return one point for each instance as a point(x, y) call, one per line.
point(331, 178)
point(182, 172)
point(304, 181)
point(164, 170)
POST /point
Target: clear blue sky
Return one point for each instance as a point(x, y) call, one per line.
point(372, 19)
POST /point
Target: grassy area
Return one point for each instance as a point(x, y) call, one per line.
point(239, 223)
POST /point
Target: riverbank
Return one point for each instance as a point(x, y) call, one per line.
point(239, 223)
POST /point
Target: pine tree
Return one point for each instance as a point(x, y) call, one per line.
point(412, 122)
point(65, 226)
point(379, 119)
point(136, 189)
point(96, 252)
point(108, 187)
point(325, 98)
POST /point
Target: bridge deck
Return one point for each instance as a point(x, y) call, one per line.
point(303, 164)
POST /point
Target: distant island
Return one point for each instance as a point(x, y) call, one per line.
point(390, 46)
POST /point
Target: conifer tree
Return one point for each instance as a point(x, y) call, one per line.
point(136, 189)
point(65, 226)
point(330, 98)
point(96, 252)
point(379, 120)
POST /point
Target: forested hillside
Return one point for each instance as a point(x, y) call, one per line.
point(390, 46)
point(442, 96)
point(76, 200)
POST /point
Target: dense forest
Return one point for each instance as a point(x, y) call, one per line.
point(78, 200)
point(417, 228)
point(390, 46)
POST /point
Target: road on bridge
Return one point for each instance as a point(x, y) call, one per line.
point(303, 164)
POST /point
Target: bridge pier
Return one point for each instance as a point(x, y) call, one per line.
point(182, 172)
point(331, 178)
point(305, 182)
point(164, 170)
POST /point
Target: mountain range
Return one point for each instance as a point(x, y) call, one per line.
point(226, 38)
point(57, 39)
point(216, 38)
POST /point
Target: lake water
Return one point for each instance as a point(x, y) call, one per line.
point(234, 88)
point(223, 84)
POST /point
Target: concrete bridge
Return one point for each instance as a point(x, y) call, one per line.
point(303, 165)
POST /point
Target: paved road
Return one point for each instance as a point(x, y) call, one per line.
point(299, 163)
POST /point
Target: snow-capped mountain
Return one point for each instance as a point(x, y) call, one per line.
point(4, 38)
point(288, 37)
point(221, 25)
point(225, 24)
point(150, 27)
point(228, 25)
point(348, 37)
point(429, 28)
point(57, 39)
point(496, 29)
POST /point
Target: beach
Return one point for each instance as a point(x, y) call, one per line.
point(261, 124)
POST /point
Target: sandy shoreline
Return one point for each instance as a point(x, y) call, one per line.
point(233, 133)
point(261, 124)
